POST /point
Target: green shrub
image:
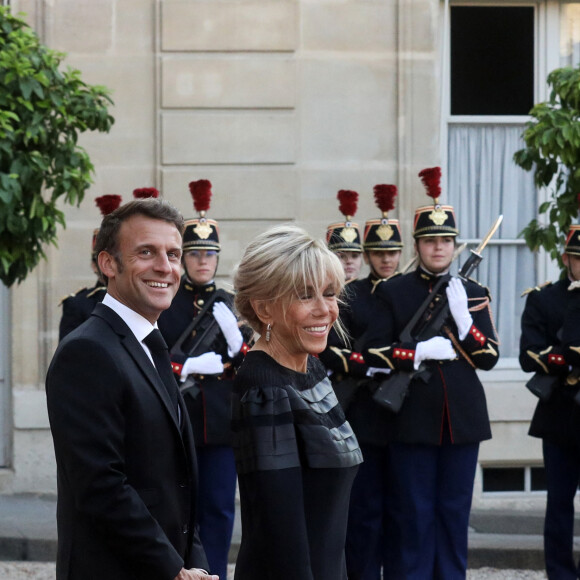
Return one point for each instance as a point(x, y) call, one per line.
point(552, 152)
point(42, 112)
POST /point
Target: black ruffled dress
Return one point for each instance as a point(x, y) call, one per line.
point(296, 457)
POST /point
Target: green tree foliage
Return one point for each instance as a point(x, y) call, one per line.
point(42, 112)
point(552, 152)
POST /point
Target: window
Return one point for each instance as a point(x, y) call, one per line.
point(491, 90)
point(492, 60)
point(513, 479)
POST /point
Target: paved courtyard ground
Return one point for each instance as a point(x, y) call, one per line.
point(46, 571)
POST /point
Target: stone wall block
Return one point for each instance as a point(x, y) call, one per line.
point(229, 26)
point(522, 449)
point(81, 26)
point(196, 138)
point(34, 465)
point(350, 26)
point(347, 111)
point(228, 83)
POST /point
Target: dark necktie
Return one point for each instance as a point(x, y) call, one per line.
point(158, 347)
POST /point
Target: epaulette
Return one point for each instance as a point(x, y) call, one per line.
point(378, 281)
point(71, 295)
point(95, 290)
point(487, 292)
point(535, 288)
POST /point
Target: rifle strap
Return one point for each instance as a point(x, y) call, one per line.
point(484, 303)
point(481, 304)
point(457, 346)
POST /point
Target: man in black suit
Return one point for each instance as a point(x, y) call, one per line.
point(124, 449)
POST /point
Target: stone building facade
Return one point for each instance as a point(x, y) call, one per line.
point(279, 104)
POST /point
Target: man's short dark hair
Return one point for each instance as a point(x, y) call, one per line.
point(157, 209)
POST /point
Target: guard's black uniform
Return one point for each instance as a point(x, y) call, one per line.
point(210, 408)
point(77, 307)
point(552, 316)
point(370, 539)
point(436, 434)
point(358, 314)
point(452, 402)
point(344, 361)
point(210, 412)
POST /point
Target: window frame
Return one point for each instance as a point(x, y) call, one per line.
point(546, 58)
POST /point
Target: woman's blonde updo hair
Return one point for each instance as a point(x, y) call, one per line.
point(279, 265)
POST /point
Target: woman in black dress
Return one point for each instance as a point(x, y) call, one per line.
point(296, 454)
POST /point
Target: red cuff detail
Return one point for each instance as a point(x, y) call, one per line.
point(357, 357)
point(245, 349)
point(403, 353)
point(176, 368)
point(556, 359)
point(479, 336)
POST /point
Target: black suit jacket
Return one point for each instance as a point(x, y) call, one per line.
point(126, 471)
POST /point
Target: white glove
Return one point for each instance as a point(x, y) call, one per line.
point(457, 298)
point(436, 348)
point(574, 286)
point(208, 363)
point(229, 326)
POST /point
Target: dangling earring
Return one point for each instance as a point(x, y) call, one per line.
point(268, 332)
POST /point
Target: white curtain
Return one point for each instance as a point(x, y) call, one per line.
point(484, 182)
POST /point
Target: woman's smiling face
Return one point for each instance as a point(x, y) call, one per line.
point(302, 327)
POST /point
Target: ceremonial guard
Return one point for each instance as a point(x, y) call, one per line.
point(437, 431)
point(371, 541)
point(344, 363)
point(77, 307)
point(343, 238)
point(206, 346)
point(549, 348)
point(382, 243)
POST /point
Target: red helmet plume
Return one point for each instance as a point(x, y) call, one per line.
point(431, 178)
point(348, 202)
point(385, 196)
point(201, 193)
point(108, 203)
point(145, 192)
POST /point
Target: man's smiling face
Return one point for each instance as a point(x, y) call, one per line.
point(146, 272)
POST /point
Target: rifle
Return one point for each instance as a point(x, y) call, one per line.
point(425, 324)
point(198, 337)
